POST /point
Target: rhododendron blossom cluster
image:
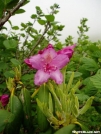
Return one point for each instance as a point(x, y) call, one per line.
point(49, 62)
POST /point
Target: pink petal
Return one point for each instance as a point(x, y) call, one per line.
point(67, 50)
point(71, 47)
point(49, 54)
point(60, 61)
point(57, 76)
point(49, 46)
point(35, 61)
point(28, 63)
point(41, 77)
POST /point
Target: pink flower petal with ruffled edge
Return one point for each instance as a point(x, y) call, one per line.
point(67, 50)
point(41, 77)
point(60, 61)
point(42, 51)
point(35, 61)
point(48, 55)
point(57, 76)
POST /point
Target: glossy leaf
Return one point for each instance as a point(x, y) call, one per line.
point(33, 16)
point(2, 6)
point(26, 103)
point(50, 18)
point(6, 1)
point(8, 74)
point(23, 25)
point(2, 38)
point(16, 108)
point(70, 82)
point(89, 64)
point(3, 65)
point(86, 106)
point(15, 28)
point(10, 44)
point(15, 62)
point(96, 80)
point(41, 22)
point(19, 11)
point(5, 118)
point(26, 2)
point(57, 101)
point(82, 97)
point(27, 77)
point(43, 95)
point(66, 130)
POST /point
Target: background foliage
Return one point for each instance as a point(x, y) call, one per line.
point(25, 40)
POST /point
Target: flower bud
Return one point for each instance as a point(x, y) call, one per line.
point(4, 99)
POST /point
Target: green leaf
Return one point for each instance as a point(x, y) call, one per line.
point(23, 25)
point(15, 62)
point(8, 74)
point(26, 2)
point(57, 101)
point(2, 38)
point(41, 22)
point(2, 6)
point(33, 30)
point(43, 96)
point(4, 28)
point(97, 54)
point(60, 27)
point(38, 8)
point(5, 118)
point(86, 106)
point(33, 16)
point(89, 64)
point(99, 71)
point(93, 47)
point(15, 28)
point(50, 18)
point(19, 11)
point(3, 86)
point(49, 131)
point(10, 23)
point(27, 77)
point(12, 4)
point(96, 80)
point(10, 44)
point(6, 1)
point(82, 97)
point(76, 74)
point(66, 130)
point(26, 103)
point(3, 65)
point(70, 82)
point(15, 107)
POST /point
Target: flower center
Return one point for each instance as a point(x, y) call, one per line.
point(48, 68)
point(48, 58)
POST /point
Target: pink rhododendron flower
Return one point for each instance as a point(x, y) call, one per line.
point(4, 99)
point(48, 62)
point(67, 50)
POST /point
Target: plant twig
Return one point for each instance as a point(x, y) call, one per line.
point(26, 37)
point(40, 39)
point(10, 13)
